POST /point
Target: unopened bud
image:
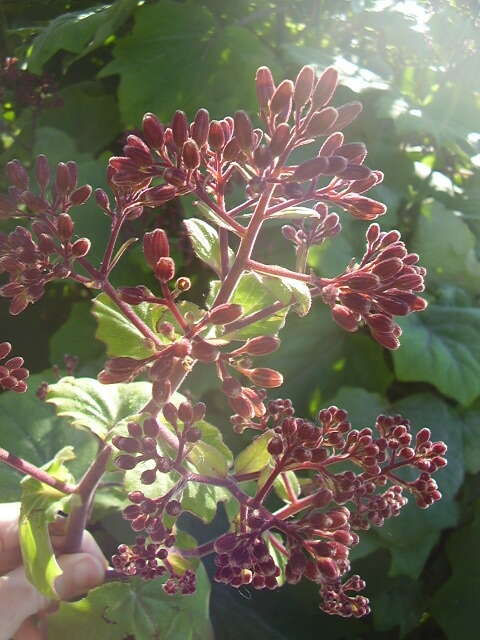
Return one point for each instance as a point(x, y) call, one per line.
point(347, 114)
point(42, 172)
point(155, 246)
point(175, 176)
point(280, 139)
point(191, 155)
point(81, 247)
point(133, 295)
point(225, 313)
point(216, 136)
point(102, 199)
point(183, 284)
point(170, 413)
point(199, 129)
point(158, 196)
point(231, 151)
point(303, 86)
point(265, 87)
point(204, 351)
point(164, 270)
point(243, 130)
point(262, 157)
point(263, 377)
point(275, 446)
point(62, 180)
point(81, 195)
point(64, 227)
point(260, 346)
point(17, 174)
point(185, 412)
point(46, 243)
point(153, 131)
point(310, 169)
point(321, 122)
point(325, 88)
point(345, 317)
point(179, 128)
point(282, 98)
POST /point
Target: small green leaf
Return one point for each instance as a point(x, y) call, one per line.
point(206, 243)
point(255, 456)
point(208, 460)
point(442, 346)
point(279, 557)
point(97, 407)
point(40, 504)
point(292, 213)
point(288, 290)
point(280, 485)
point(253, 295)
point(136, 608)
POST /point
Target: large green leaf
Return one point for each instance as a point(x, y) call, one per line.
point(446, 247)
point(76, 336)
point(471, 441)
point(217, 63)
point(455, 604)
point(78, 32)
point(97, 407)
point(40, 504)
point(206, 243)
point(138, 609)
point(30, 429)
point(442, 346)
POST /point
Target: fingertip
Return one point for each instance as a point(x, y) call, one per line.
point(81, 572)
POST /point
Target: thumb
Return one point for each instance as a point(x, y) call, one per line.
point(81, 572)
point(19, 599)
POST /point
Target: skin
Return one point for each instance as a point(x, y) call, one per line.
point(22, 608)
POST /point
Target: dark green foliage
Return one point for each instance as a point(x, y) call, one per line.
point(421, 93)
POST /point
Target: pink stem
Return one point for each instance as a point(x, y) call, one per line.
point(29, 469)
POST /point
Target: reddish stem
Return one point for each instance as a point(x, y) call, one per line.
point(29, 469)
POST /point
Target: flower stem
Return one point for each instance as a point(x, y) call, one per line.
point(29, 469)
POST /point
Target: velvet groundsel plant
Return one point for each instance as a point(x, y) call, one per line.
point(335, 480)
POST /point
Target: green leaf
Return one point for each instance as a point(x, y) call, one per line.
point(217, 60)
point(137, 608)
point(78, 32)
point(40, 504)
point(280, 485)
point(253, 295)
point(208, 460)
point(255, 456)
point(30, 429)
point(76, 336)
point(455, 604)
point(122, 337)
point(471, 441)
point(442, 346)
point(279, 558)
point(97, 407)
point(363, 406)
point(447, 247)
point(206, 243)
point(288, 290)
point(291, 213)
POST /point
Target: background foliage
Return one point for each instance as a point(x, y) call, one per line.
point(414, 65)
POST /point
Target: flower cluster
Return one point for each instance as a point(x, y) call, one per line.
point(13, 374)
point(384, 284)
point(26, 89)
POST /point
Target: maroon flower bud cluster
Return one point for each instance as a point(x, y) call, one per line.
point(13, 374)
point(314, 230)
point(384, 284)
point(245, 559)
point(26, 89)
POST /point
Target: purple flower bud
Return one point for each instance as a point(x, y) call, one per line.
point(153, 131)
point(310, 169)
point(81, 247)
point(303, 86)
point(265, 87)
point(81, 195)
point(243, 130)
point(321, 122)
point(325, 88)
point(179, 128)
point(216, 136)
point(42, 172)
point(191, 155)
point(282, 98)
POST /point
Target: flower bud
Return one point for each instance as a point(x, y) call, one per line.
point(46, 243)
point(191, 155)
point(216, 136)
point(386, 269)
point(347, 113)
point(17, 175)
point(331, 144)
point(35, 203)
point(185, 412)
point(102, 199)
point(355, 172)
point(225, 313)
point(243, 406)
point(362, 207)
point(303, 86)
point(81, 195)
point(262, 157)
point(275, 446)
point(193, 434)
point(380, 322)
point(282, 98)
point(173, 508)
point(231, 150)
point(344, 317)
point(153, 131)
point(321, 122)
point(62, 180)
point(280, 139)
point(243, 130)
point(134, 295)
point(310, 169)
point(170, 413)
point(42, 172)
point(199, 129)
point(179, 128)
point(151, 428)
point(125, 462)
point(64, 227)
point(387, 340)
point(261, 345)
point(175, 176)
point(336, 165)
point(158, 196)
point(81, 247)
point(155, 246)
point(325, 88)
point(263, 377)
point(182, 348)
point(265, 87)
point(361, 281)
